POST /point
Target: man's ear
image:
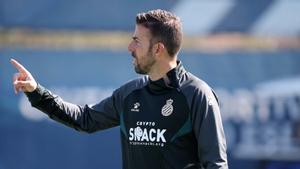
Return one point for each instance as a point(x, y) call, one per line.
point(158, 48)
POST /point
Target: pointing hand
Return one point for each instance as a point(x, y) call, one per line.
point(23, 80)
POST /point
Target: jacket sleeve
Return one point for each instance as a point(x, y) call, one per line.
point(88, 118)
point(208, 129)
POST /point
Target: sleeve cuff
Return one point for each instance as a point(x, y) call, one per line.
point(36, 95)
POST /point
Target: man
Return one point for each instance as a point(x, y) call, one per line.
point(168, 119)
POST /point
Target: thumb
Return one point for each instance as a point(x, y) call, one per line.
point(26, 86)
point(21, 83)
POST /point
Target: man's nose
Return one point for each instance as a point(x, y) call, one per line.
point(130, 47)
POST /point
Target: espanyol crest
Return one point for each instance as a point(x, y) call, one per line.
point(167, 109)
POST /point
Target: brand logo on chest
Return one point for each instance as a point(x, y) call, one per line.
point(167, 109)
point(136, 107)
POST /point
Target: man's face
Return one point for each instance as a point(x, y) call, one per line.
point(141, 50)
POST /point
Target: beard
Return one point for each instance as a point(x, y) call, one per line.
point(144, 66)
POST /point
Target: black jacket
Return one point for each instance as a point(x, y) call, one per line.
point(171, 123)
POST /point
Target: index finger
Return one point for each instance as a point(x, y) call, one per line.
point(20, 67)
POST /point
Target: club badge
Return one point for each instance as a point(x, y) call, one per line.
point(167, 109)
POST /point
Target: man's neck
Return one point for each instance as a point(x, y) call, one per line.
point(161, 70)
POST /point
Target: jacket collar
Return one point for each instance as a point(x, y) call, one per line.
point(170, 81)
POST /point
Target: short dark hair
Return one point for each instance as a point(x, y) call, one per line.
point(165, 27)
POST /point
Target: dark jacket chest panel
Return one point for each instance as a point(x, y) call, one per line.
point(150, 117)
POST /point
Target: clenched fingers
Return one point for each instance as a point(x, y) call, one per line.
point(21, 85)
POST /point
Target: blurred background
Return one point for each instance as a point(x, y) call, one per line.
point(248, 51)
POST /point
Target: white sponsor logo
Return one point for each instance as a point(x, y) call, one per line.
point(153, 135)
point(146, 134)
point(167, 109)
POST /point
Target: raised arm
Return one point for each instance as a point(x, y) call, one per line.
point(83, 118)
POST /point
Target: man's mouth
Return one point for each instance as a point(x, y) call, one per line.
point(133, 54)
point(134, 62)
